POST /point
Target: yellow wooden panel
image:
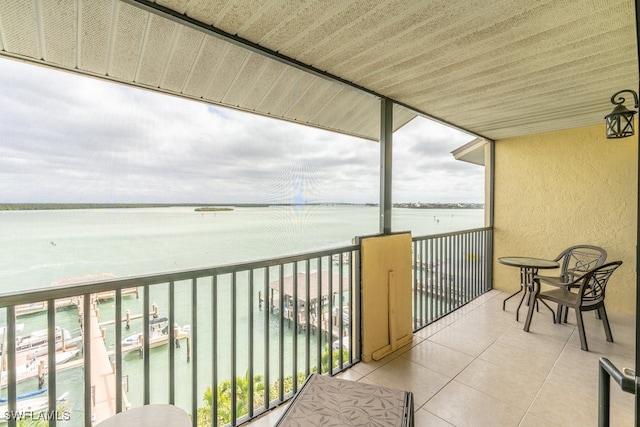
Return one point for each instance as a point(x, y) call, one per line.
point(386, 294)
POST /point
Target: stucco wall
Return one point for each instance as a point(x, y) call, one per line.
point(559, 189)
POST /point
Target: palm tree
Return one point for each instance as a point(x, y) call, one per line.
point(223, 396)
point(205, 413)
point(28, 422)
point(335, 357)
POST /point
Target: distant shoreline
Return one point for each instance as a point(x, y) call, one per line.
point(217, 206)
point(212, 209)
point(63, 206)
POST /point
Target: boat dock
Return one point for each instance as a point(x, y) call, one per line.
point(73, 302)
point(32, 362)
point(41, 306)
point(103, 378)
point(103, 389)
point(318, 286)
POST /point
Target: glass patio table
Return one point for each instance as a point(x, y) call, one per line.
point(529, 267)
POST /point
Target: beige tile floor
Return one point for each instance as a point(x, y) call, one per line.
point(477, 367)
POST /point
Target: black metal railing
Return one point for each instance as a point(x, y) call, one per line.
point(449, 270)
point(628, 383)
point(257, 330)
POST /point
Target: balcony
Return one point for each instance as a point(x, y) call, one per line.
point(478, 367)
point(523, 77)
point(468, 362)
point(263, 325)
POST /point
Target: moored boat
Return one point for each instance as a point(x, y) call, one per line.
point(25, 371)
point(158, 335)
point(65, 356)
point(37, 339)
point(25, 395)
point(31, 406)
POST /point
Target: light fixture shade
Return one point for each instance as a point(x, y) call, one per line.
point(620, 122)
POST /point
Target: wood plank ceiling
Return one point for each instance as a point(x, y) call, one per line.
point(496, 68)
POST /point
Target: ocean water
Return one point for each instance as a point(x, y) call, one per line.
point(39, 248)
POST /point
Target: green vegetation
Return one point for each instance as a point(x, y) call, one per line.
point(212, 209)
point(223, 398)
point(37, 419)
point(60, 206)
point(223, 392)
point(29, 422)
point(63, 206)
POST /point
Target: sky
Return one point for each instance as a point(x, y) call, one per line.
point(66, 138)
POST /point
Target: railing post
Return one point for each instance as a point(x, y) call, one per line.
point(604, 393)
point(118, 344)
point(627, 383)
point(51, 357)
point(88, 386)
point(10, 352)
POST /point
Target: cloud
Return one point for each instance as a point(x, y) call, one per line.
point(66, 138)
point(425, 170)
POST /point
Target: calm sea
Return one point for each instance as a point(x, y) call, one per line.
point(38, 248)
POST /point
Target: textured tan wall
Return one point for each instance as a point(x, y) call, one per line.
point(559, 189)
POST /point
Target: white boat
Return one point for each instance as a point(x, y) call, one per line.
point(346, 343)
point(31, 407)
point(30, 368)
point(23, 371)
point(37, 340)
point(64, 356)
point(158, 335)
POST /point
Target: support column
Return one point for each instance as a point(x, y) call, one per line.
point(386, 157)
point(637, 373)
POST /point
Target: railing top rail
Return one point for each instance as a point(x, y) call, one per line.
point(452, 233)
point(91, 287)
point(626, 383)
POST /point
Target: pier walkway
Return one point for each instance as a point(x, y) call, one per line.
point(33, 363)
point(103, 379)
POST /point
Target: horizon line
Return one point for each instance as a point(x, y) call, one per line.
point(85, 205)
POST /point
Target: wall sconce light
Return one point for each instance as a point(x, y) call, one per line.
point(620, 121)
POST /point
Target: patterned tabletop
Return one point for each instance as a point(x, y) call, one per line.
point(327, 401)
